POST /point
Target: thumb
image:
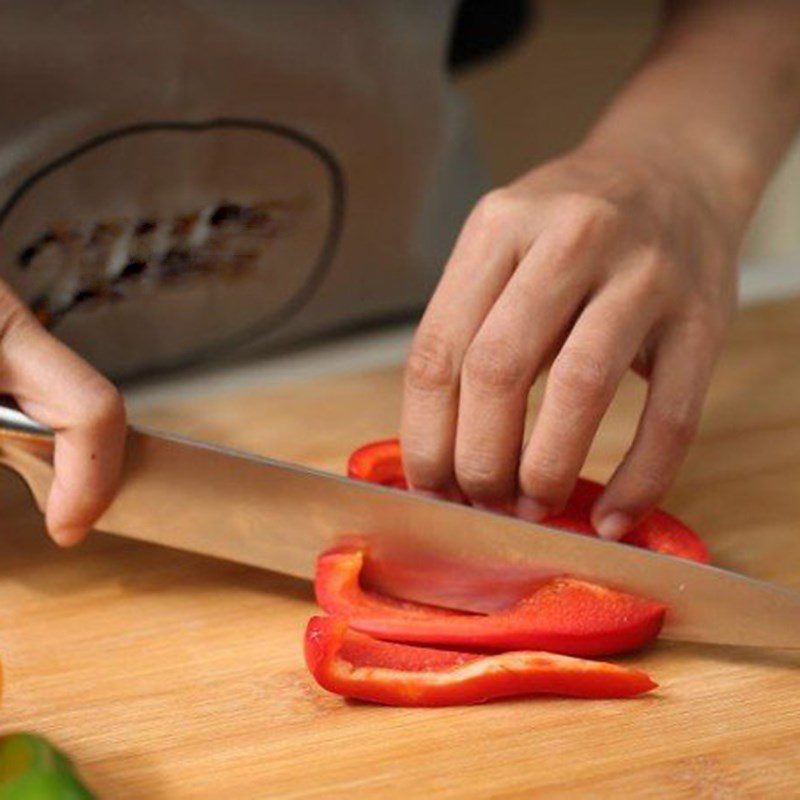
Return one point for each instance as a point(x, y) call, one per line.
point(59, 389)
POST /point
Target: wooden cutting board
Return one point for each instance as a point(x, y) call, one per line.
point(171, 676)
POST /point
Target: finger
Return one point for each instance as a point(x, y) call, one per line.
point(59, 389)
point(678, 385)
point(482, 261)
point(502, 362)
point(579, 389)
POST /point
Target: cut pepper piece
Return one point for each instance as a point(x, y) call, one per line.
point(357, 666)
point(378, 462)
point(564, 615)
point(355, 652)
point(381, 462)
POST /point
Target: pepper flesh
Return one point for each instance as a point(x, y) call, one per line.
point(381, 462)
point(563, 616)
point(357, 666)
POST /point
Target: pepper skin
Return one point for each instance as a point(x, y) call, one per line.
point(32, 769)
point(564, 615)
point(378, 462)
point(381, 462)
point(355, 652)
point(357, 666)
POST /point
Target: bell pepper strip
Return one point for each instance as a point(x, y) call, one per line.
point(33, 769)
point(357, 666)
point(357, 653)
point(378, 462)
point(381, 462)
point(564, 615)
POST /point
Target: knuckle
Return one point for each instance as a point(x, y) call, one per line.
point(14, 316)
point(677, 426)
point(580, 375)
point(582, 224)
point(425, 468)
point(431, 363)
point(494, 365)
point(543, 475)
point(494, 209)
point(89, 503)
point(104, 406)
point(589, 214)
point(649, 487)
point(96, 493)
point(651, 280)
point(709, 321)
point(479, 477)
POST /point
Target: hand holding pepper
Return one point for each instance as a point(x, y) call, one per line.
point(621, 254)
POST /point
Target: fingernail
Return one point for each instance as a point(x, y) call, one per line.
point(531, 510)
point(614, 526)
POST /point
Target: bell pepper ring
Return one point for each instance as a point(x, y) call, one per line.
point(564, 615)
point(356, 666)
point(381, 462)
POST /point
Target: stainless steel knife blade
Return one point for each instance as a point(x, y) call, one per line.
point(219, 502)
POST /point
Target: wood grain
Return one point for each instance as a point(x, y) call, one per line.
point(173, 676)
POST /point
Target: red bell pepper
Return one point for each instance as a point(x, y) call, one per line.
point(563, 616)
point(378, 462)
point(357, 666)
point(381, 462)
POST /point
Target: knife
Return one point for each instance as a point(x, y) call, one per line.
point(259, 511)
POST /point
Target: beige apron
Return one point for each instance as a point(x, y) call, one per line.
point(195, 178)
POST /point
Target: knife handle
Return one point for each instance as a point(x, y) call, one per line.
point(26, 447)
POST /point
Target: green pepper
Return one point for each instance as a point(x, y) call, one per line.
point(33, 769)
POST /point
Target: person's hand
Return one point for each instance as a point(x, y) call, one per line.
point(57, 388)
point(598, 262)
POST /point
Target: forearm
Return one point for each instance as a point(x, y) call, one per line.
point(720, 91)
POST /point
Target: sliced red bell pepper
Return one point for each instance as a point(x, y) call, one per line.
point(381, 462)
point(563, 616)
point(357, 666)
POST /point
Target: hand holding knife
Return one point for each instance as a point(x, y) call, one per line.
point(219, 502)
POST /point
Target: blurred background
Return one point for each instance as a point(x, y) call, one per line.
point(531, 101)
point(540, 96)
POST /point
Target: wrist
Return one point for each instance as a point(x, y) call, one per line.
point(721, 173)
point(717, 99)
